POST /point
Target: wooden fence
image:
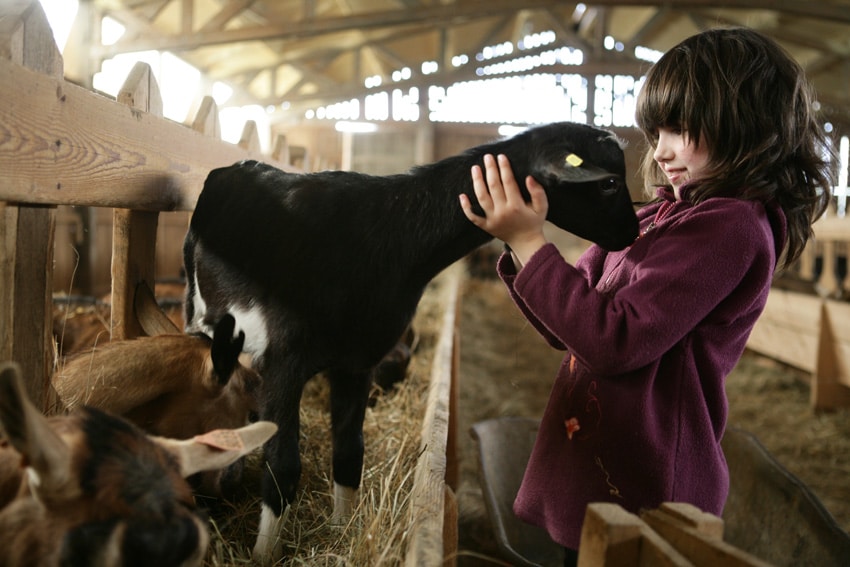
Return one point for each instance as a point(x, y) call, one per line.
point(61, 144)
point(806, 323)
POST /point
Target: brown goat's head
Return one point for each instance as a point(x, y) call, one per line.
point(174, 385)
point(98, 491)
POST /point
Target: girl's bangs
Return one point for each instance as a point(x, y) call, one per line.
point(661, 97)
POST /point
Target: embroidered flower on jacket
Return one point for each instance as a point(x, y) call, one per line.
point(572, 426)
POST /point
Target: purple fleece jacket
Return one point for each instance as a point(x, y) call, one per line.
point(638, 408)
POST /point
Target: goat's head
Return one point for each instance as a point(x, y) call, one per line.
point(176, 385)
point(99, 491)
point(583, 170)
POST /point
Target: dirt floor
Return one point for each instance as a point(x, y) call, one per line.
point(506, 369)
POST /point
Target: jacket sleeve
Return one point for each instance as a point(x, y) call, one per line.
point(714, 262)
point(507, 272)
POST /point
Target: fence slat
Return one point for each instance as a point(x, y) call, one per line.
point(788, 329)
point(831, 379)
point(133, 232)
point(26, 257)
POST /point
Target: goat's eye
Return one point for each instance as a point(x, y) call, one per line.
point(609, 185)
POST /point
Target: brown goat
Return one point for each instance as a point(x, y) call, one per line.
point(173, 385)
point(93, 489)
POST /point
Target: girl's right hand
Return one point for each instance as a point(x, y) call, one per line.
point(507, 216)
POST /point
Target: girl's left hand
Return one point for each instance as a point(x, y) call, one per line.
point(507, 216)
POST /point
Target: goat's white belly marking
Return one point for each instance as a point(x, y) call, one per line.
point(252, 321)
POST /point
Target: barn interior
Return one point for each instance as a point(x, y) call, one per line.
point(380, 86)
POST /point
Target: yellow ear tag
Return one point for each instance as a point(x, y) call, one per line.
point(574, 160)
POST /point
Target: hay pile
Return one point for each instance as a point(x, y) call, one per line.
point(378, 531)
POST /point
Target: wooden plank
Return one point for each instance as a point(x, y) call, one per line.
point(26, 42)
point(707, 524)
point(610, 536)
point(427, 499)
point(702, 550)
point(8, 232)
point(655, 551)
point(791, 346)
point(789, 329)
point(797, 310)
point(831, 227)
point(61, 144)
point(133, 261)
point(831, 379)
point(134, 232)
point(31, 306)
point(452, 464)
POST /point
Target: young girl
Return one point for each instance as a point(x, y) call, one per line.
point(638, 409)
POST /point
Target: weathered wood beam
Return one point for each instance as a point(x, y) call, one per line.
point(230, 10)
point(62, 144)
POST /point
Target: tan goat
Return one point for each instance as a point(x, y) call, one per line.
point(173, 385)
point(93, 489)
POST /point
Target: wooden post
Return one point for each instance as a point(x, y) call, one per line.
point(206, 120)
point(831, 380)
point(250, 139)
point(827, 284)
point(133, 232)
point(609, 536)
point(26, 248)
point(280, 149)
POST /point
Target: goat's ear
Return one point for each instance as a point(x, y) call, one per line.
point(570, 169)
point(217, 449)
point(29, 432)
point(226, 348)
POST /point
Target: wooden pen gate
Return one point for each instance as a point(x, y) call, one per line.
point(62, 145)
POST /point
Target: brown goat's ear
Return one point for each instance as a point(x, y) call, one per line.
point(29, 432)
point(226, 348)
point(151, 317)
point(217, 449)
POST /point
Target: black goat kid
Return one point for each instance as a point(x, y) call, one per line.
point(324, 271)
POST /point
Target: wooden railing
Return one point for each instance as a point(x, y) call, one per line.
point(807, 319)
point(61, 144)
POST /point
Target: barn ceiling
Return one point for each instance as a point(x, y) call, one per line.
point(314, 52)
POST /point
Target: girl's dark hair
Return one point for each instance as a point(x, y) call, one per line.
point(741, 94)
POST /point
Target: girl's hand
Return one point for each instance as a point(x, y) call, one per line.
point(507, 216)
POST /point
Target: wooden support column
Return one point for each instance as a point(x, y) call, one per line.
point(26, 232)
point(134, 232)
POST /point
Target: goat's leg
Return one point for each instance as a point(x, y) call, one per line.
point(349, 397)
point(283, 384)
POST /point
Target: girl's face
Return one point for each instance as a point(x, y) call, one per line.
point(678, 157)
